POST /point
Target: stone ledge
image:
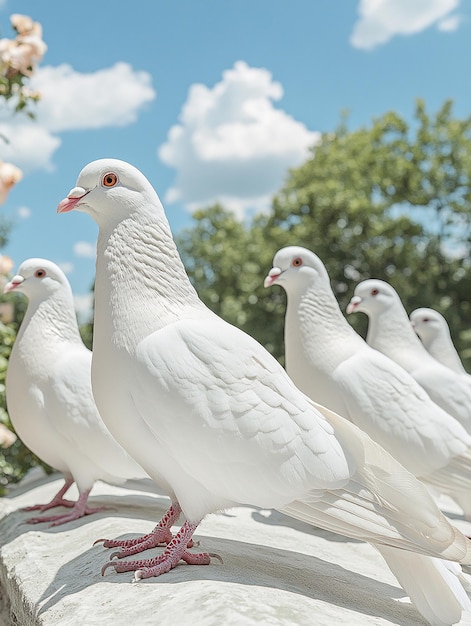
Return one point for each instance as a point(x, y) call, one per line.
point(276, 571)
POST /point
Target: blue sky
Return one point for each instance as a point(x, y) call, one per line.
point(211, 100)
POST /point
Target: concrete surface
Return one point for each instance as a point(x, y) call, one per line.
point(276, 571)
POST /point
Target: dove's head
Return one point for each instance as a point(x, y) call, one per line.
point(372, 297)
point(428, 323)
point(296, 269)
point(38, 279)
point(110, 190)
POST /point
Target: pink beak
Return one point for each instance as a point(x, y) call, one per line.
point(73, 197)
point(353, 304)
point(273, 274)
point(13, 284)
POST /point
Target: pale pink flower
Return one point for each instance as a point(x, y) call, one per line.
point(23, 57)
point(7, 438)
point(27, 50)
point(6, 46)
point(9, 176)
point(6, 264)
point(23, 24)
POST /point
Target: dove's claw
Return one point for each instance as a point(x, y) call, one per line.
point(57, 500)
point(99, 541)
point(176, 550)
point(50, 505)
point(216, 556)
point(80, 509)
point(106, 565)
point(161, 535)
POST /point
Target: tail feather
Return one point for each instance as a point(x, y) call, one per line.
point(432, 585)
point(383, 501)
point(352, 517)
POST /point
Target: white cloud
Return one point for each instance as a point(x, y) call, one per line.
point(70, 101)
point(24, 212)
point(29, 146)
point(84, 306)
point(232, 145)
point(380, 20)
point(67, 267)
point(109, 97)
point(449, 24)
point(85, 249)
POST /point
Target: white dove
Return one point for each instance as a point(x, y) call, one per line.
point(329, 361)
point(390, 332)
point(434, 332)
point(203, 405)
point(49, 395)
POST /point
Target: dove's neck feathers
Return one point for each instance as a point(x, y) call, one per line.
point(441, 347)
point(316, 330)
point(48, 327)
point(391, 332)
point(139, 270)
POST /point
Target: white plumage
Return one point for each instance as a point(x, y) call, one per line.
point(434, 333)
point(203, 406)
point(332, 364)
point(390, 332)
point(49, 395)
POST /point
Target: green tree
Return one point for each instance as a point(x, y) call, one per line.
point(227, 260)
point(362, 202)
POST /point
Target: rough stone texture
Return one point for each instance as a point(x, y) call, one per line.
point(276, 571)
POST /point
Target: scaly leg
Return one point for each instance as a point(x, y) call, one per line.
point(176, 550)
point(79, 510)
point(57, 500)
point(160, 535)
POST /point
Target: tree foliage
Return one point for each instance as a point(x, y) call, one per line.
point(390, 201)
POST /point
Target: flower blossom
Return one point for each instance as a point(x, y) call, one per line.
point(7, 437)
point(9, 176)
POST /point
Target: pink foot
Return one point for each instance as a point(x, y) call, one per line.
point(50, 505)
point(79, 510)
point(160, 535)
point(57, 500)
point(173, 553)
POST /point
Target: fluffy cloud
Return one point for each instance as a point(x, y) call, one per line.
point(70, 101)
point(24, 212)
point(85, 249)
point(380, 20)
point(449, 24)
point(109, 97)
point(30, 146)
point(67, 267)
point(232, 145)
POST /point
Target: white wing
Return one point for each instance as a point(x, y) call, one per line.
point(382, 504)
point(244, 431)
point(91, 448)
point(220, 404)
point(449, 390)
point(387, 403)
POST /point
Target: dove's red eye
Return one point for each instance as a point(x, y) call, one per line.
point(110, 179)
point(425, 319)
point(40, 273)
point(297, 262)
point(374, 292)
